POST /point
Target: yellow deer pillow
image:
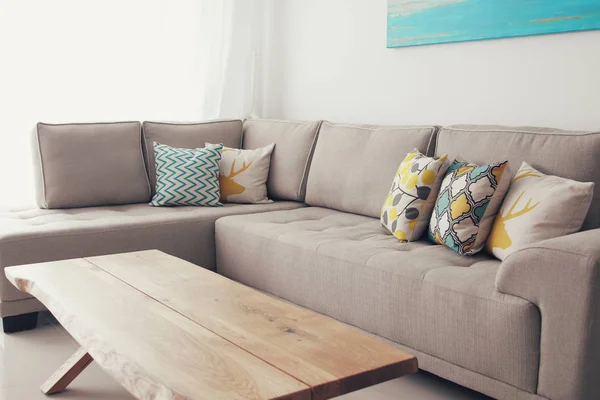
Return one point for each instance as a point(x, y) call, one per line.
point(243, 174)
point(538, 207)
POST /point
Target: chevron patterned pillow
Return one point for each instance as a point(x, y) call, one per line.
point(187, 177)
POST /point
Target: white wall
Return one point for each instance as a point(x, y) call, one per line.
point(334, 65)
point(73, 61)
point(69, 60)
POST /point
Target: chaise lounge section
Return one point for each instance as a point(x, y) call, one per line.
point(99, 225)
point(31, 236)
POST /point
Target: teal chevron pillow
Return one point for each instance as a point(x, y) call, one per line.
point(187, 177)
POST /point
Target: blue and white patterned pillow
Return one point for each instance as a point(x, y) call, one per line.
point(187, 177)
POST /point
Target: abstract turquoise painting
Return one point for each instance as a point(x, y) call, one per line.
point(419, 22)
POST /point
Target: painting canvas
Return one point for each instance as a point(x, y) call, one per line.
point(419, 22)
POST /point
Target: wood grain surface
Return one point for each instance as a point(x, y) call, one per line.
point(330, 357)
point(154, 352)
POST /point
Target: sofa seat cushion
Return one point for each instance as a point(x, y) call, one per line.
point(417, 294)
point(35, 235)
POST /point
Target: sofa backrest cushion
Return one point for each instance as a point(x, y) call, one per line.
point(83, 165)
point(568, 154)
point(294, 144)
point(354, 165)
point(187, 136)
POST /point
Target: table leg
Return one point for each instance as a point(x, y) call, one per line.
point(67, 372)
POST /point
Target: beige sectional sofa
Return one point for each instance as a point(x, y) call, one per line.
point(524, 328)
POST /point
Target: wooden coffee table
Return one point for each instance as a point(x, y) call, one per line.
point(168, 329)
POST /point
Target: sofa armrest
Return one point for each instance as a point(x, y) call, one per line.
point(562, 277)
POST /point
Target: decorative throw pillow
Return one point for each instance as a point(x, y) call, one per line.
point(409, 204)
point(538, 207)
point(244, 173)
point(187, 176)
point(468, 201)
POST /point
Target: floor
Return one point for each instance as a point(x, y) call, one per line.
point(28, 358)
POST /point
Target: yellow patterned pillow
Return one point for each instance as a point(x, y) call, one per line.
point(409, 204)
point(244, 173)
point(538, 207)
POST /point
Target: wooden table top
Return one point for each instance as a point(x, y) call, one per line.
point(168, 329)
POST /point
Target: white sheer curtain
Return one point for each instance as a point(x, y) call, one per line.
point(235, 67)
point(106, 60)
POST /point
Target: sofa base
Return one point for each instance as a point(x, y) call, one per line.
point(19, 307)
point(20, 323)
point(462, 376)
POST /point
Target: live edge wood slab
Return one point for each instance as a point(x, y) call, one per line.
point(168, 329)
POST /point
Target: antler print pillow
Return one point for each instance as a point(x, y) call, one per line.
point(538, 207)
point(243, 174)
